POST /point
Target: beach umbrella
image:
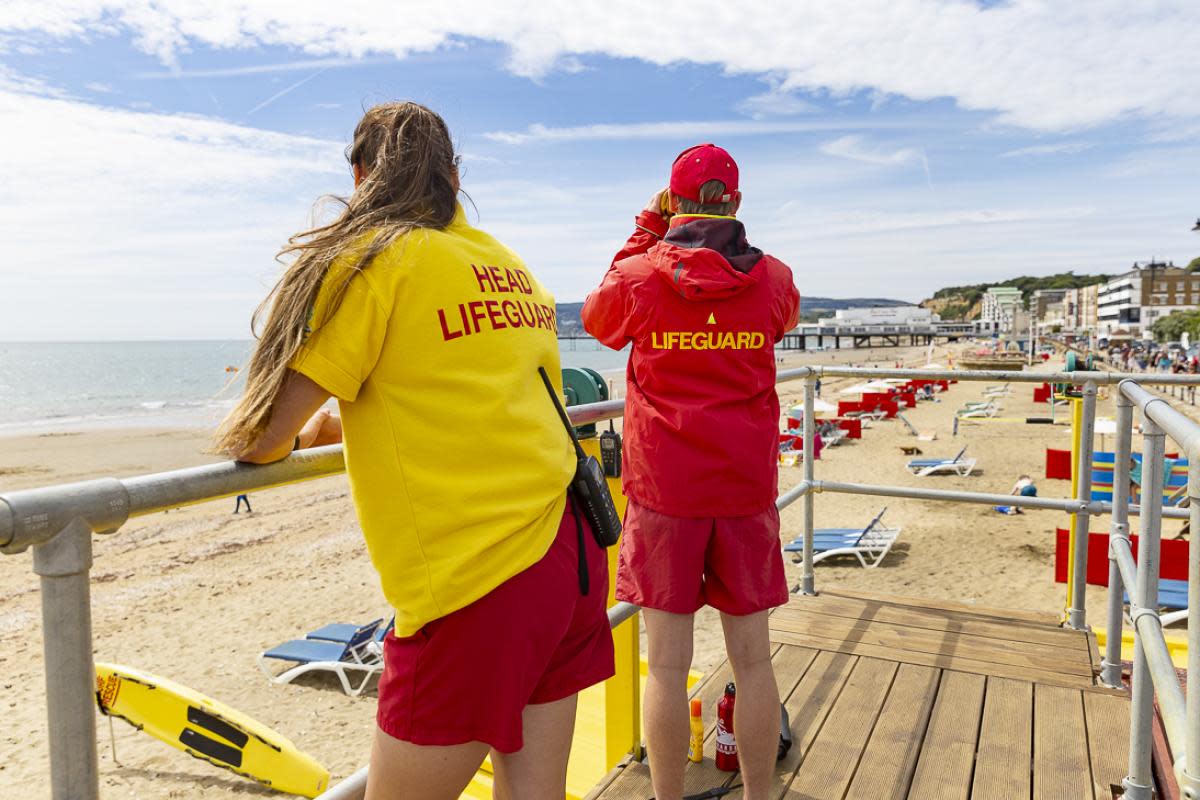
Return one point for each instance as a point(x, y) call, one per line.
point(1104, 426)
point(819, 407)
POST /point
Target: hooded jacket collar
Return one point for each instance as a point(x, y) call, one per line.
point(723, 235)
point(706, 258)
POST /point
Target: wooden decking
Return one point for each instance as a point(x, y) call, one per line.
point(894, 698)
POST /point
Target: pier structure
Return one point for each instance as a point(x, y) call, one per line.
point(821, 336)
point(888, 696)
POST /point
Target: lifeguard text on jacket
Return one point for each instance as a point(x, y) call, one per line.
point(707, 340)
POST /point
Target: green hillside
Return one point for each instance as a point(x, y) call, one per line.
point(961, 302)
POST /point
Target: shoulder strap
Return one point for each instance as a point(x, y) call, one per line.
point(562, 413)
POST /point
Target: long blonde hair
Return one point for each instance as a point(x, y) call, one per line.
point(410, 180)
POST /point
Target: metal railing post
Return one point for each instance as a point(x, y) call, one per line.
point(1138, 784)
point(808, 578)
point(63, 564)
point(1077, 614)
point(1110, 666)
point(1189, 776)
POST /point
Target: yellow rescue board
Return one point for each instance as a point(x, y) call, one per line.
point(207, 729)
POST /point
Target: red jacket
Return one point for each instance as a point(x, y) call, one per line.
point(703, 310)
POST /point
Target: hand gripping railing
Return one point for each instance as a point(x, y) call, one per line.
point(58, 522)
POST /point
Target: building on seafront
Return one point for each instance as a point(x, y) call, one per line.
point(1133, 301)
point(1003, 306)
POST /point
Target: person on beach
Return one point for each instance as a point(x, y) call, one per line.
point(430, 334)
point(703, 310)
point(1024, 487)
point(242, 498)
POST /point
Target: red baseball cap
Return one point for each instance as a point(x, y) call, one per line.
point(702, 163)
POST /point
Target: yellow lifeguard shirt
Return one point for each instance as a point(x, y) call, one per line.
point(458, 461)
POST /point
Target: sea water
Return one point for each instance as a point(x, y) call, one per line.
point(97, 384)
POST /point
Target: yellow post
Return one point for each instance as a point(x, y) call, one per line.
point(1076, 428)
point(622, 692)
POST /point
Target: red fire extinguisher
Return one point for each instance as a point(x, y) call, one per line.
point(727, 758)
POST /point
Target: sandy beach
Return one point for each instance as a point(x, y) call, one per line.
point(197, 594)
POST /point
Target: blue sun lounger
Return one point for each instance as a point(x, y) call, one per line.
point(869, 545)
point(930, 466)
point(353, 656)
point(344, 631)
point(1173, 595)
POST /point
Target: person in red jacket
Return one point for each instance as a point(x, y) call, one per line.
point(703, 311)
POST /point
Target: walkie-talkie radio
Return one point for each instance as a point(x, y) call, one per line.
point(588, 487)
point(610, 452)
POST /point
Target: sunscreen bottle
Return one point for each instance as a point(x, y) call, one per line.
point(696, 744)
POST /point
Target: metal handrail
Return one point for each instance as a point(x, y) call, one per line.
point(58, 523)
point(1153, 670)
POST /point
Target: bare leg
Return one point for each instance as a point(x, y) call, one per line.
point(670, 644)
point(402, 769)
point(756, 711)
point(538, 771)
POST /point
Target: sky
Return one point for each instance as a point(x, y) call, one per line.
point(156, 155)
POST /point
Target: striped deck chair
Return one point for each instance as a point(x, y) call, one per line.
point(1174, 485)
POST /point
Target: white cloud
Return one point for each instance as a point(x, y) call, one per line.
point(680, 129)
point(257, 69)
point(775, 103)
point(1064, 148)
point(1041, 66)
point(856, 149)
point(855, 223)
point(105, 208)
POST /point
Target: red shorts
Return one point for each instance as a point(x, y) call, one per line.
point(679, 564)
point(467, 676)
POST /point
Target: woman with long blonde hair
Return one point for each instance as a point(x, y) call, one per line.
point(430, 334)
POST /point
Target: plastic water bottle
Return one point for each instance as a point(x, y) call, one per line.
point(727, 758)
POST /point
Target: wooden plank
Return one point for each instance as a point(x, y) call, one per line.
point(1037, 655)
point(1004, 759)
point(981, 612)
point(634, 781)
point(1060, 758)
point(598, 790)
point(1071, 646)
point(790, 664)
point(948, 752)
point(830, 763)
point(934, 619)
point(1094, 651)
point(887, 764)
point(958, 663)
point(807, 706)
point(1107, 720)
